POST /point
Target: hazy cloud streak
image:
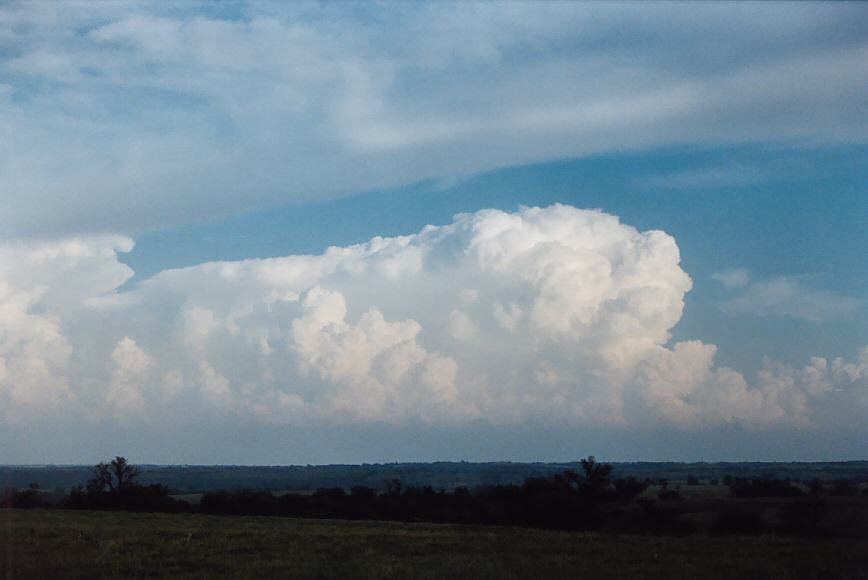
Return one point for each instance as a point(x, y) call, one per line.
point(783, 296)
point(127, 117)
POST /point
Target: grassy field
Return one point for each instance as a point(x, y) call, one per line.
point(62, 544)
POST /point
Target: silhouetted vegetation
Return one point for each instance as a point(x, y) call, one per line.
point(29, 498)
point(116, 476)
point(742, 487)
point(738, 520)
point(807, 517)
point(113, 486)
point(567, 501)
point(843, 488)
point(588, 497)
point(669, 495)
point(439, 475)
point(572, 500)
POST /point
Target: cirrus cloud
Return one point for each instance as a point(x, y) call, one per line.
point(783, 296)
point(132, 116)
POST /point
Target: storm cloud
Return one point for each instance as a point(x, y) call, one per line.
point(546, 315)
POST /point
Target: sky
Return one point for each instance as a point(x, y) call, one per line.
point(271, 233)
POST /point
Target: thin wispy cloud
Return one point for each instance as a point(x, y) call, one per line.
point(131, 116)
point(699, 180)
point(783, 296)
point(732, 277)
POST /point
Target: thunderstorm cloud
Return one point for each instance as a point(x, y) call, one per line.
point(549, 314)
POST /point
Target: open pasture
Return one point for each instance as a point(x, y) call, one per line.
point(71, 544)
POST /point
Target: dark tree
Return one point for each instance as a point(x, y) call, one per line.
point(597, 475)
point(116, 476)
point(393, 487)
point(123, 473)
point(101, 480)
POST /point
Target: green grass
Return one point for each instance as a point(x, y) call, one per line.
point(62, 544)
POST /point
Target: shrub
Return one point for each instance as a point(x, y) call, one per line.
point(741, 487)
point(843, 488)
point(669, 495)
point(739, 521)
point(804, 517)
point(627, 489)
point(26, 499)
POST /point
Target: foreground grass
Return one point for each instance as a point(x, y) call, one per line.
point(63, 544)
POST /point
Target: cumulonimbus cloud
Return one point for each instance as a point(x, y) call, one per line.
point(545, 314)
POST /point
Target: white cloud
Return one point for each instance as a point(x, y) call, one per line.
point(41, 286)
point(732, 278)
point(214, 387)
point(469, 295)
point(129, 117)
point(129, 367)
point(460, 326)
point(507, 317)
point(570, 323)
point(785, 296)
point(376, 364)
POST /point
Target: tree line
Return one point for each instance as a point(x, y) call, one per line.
point(585, 499)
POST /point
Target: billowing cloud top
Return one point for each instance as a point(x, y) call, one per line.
point(544, 315)
point(129, 116)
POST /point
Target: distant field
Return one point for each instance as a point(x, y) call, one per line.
point(190, 479)
point(61, 544)
point(195, 498)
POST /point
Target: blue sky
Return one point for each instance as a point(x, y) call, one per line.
point(154, 155)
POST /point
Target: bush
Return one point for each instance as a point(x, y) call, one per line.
point(134, 498)
point(669, 495)
point(26, 499)
point(738, 521)
point(843, 488)
point(805, 517)
point(741, 487)
point(628, 489)
point(653, 517)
